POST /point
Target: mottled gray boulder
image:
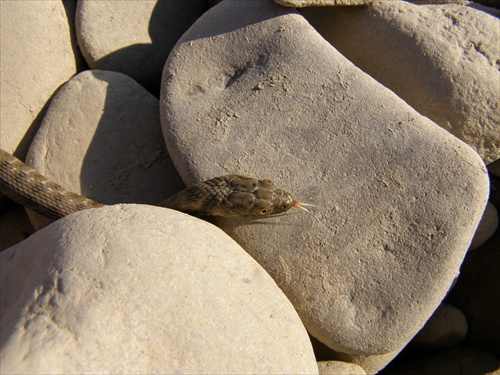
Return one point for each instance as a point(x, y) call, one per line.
point(36, 58)
point(252, 88)
point(134, 37)
point(441, 59)
point(140, 289)
point(102, 138)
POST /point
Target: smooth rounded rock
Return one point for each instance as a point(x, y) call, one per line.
point(487, 226)
point(140, 289)
point(441, 59)
point(446, 328)
point(102, 138)
point(36, 58)
point(339, 368)
point(134, 37)
point(252, 88)
point(371, 364)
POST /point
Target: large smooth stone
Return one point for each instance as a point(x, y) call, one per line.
point(134, 37)
point(441, 59)
point(252, 88)
point(36, 58)
point(102, 138)
point(339, 368)
point(139, 289)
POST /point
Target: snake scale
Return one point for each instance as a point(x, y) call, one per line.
point(226, 196)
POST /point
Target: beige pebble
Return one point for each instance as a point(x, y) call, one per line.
point(252, 88)
point(442, 59)
point(141, 289)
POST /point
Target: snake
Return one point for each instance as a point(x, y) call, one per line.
point(231, 195)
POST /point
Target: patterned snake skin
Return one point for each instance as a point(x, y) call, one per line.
point(227, 196)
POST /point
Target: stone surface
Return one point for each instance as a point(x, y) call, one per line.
point(441, 59)
point(339, 368)
point(241, 94)
point(134, 37)
point(487, 226)
point(446, 328)
point(15, 226)
point(308, 3)
point(371, 364)
point(462, 361)
point(36, 58)
point(140, 289)
point(102, 138)
point(476, 295)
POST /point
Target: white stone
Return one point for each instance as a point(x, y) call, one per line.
point(140, 289)
point(339, 368)
point(441, 59)
point(36, 57)
point(134, 37)
point(102, 138)
point(252, 88)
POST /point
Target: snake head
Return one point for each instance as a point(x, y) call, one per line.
point(233, 196)
point(259, 198)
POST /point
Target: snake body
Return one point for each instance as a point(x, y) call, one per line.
point(227, 196)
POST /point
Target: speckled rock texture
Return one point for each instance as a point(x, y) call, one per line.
point(102, 138)
point(140, 289)
point(441, 59)
point(252, 88)
point(338, 368)
point(134, 37)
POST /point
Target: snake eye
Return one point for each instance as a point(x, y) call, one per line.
point(263, 211)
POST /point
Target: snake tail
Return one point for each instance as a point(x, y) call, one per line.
point(29, 188)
